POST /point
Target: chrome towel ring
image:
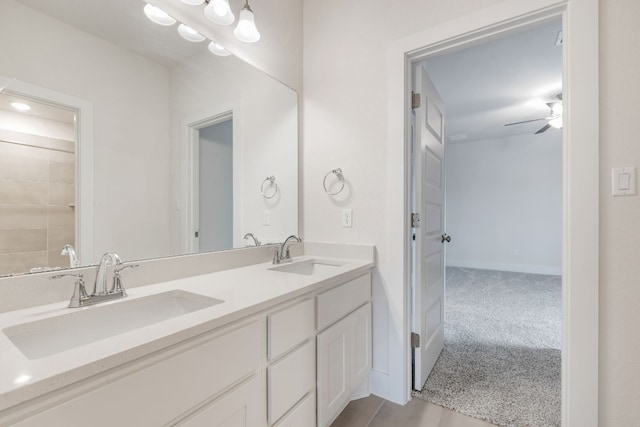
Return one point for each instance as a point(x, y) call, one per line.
point(265, 189)
point(338, 173)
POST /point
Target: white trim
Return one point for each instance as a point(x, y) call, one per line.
point(84, 211)
point(580, 211)
point(516, 268)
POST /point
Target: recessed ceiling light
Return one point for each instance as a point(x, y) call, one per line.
point(158, 15)
point(190, 34)
point(218, 49)
point(20, 106)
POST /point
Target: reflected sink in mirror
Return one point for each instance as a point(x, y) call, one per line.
point(46, 337)
point(307, 267)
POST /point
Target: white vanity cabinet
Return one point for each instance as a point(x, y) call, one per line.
point(344, 347)
point(165, 388)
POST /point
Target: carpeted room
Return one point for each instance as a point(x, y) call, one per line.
point(503, 290)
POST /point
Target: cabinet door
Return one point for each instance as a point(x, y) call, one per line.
point(360, 345)
point(333, 371)
point(237, 408)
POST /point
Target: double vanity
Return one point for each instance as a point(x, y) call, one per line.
point(263, 344)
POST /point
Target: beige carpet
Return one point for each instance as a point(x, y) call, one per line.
point(501, 360)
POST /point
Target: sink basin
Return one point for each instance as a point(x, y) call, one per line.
point(307, 268)
point(45, 337)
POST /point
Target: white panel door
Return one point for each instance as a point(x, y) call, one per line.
point(428, 247)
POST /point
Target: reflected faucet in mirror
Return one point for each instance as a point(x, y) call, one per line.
point(73, 258)
point(256, 242)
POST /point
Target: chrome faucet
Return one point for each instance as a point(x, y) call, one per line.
point(73, 258)
point(256, 242)
point(282, 253)
point(80, 298)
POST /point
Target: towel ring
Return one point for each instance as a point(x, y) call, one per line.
point(272, 182)
point(338, 173)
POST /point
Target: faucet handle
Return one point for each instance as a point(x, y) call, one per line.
point(117, 281)
point(79, 291)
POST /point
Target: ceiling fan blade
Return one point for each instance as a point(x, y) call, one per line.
point(525, 121)
point(543, 129)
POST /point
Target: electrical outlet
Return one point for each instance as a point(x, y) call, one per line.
point(266, 218)
point(347, 218)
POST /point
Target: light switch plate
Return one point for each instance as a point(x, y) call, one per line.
point(623, 181)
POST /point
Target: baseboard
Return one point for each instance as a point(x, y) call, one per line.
point(518, 268)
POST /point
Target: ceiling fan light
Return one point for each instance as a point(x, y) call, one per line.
point(218, 49)
point(556, 123)
point(192, 2)
point(190, 34)
point(219, 12)
point(246, 30)
point(556, 109)
point(158, 15)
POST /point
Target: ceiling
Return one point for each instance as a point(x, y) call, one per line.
point(501, 81)
point(123, 23)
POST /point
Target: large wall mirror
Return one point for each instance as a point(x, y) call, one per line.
point(134, 140)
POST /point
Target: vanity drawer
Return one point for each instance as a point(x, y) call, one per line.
point(342, 300)
point(289, 327)
point(289, 379)
point(165, 389)
point(303, 415)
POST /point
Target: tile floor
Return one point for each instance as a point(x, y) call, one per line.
point(374, 411)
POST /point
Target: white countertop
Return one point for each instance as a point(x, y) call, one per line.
point(245, 291)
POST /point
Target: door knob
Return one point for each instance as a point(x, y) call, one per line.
point(446, 238)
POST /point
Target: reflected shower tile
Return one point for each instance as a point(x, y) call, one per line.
point(63, 145)
point(60, 236)
point(61, 194)
point(61, 216)
point(62, 172)
point(14, 263)
point(23, 192)
point(62, 157)
point(23, 168)
point(23, 240)
point(22, 216)
point(54, 259)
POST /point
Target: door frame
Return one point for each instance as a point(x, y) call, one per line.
point(189, 221)
point(580, 180)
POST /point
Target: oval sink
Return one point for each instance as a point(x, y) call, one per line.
point(45, 337)
point(307, 267)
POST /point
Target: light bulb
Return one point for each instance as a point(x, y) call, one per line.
point(190, 34)
point(218, 49)
point(219, 12)
point(556, 123)
point(158, 15)
point(192, 2)
point(556, 109)
point(246, 30)
point(20, 106)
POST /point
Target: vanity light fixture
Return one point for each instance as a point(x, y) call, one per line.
point(20, 106)
point(158, 15)
point(218, 49)
point(190, 34)
point(192, 2)
point(219, 12)
point(246, 30)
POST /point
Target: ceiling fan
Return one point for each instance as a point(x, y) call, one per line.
point(553, 120)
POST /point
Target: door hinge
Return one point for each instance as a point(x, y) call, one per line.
point(415, 340)
point(415, 220)
point(415, 100)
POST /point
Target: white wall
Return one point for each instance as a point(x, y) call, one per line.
point(504, 203)
point(619, 230)
point(265, 129)
point(131, 144)
point(344, 121)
